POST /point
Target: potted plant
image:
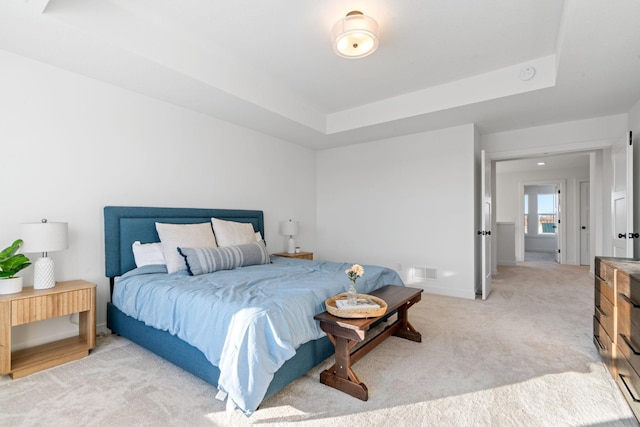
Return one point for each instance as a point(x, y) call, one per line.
point(10, 264)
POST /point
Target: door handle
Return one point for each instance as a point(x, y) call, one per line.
point(622, 236)
point(583, 227)
point(633, 235)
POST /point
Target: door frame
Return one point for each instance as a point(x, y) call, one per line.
point(561, 185)
point(579, 204)
point(599, 152)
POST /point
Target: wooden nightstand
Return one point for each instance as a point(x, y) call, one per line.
point(31, 305)
point(299, 255)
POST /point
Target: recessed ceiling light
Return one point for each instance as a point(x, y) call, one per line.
point(541, 163)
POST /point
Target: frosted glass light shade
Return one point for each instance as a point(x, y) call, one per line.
point(355, 35)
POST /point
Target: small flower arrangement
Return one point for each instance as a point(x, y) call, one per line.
point(355, 272)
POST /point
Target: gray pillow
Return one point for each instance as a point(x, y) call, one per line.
point(208, 260)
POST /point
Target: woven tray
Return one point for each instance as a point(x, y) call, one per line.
point(356, 313)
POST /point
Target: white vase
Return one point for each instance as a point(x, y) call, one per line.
point(10, 286)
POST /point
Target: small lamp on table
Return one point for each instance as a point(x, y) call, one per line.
point(290, 228)
point(44, 237)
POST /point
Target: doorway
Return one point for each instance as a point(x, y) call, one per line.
point(542, 221)
point(563, 172)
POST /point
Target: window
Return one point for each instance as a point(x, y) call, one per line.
point(542, 209)
point(546, 214)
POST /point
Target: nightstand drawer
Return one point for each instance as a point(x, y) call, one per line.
point(27, 310)
point(297, 255)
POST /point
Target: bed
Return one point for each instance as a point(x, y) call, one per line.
point(248, 331)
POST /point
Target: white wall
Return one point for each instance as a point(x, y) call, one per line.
point(402, 202)
point(71, 145)
point(579, 135)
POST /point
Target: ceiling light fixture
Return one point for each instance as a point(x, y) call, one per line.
point(541, 163)
point(355, 35)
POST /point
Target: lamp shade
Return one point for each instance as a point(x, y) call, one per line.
point(289, 228)
point(44, 236)
point(355, 35)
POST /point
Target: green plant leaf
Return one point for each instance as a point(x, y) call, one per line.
point(10, 262)
point(11, 250)
point(16, 263)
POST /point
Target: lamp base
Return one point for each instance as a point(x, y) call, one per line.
point(44, 274)
point(291, 246)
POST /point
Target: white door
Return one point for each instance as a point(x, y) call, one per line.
point(622, 197)
point(585, 252)
point(485, 191)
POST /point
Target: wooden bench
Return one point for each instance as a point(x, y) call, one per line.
point(347, 333)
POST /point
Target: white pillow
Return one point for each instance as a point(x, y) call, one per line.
point(231, 233)
point(173, 236)
point(148, 253)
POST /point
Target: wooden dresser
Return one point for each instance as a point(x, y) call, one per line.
point(616, 323)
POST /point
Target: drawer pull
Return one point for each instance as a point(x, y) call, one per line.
point(635, 399)
point(600, 278)
point(597, 338)
point(600, 312)
point(627, 341)
point(628, 300)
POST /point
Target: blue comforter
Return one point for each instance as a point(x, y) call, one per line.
point(246, 321)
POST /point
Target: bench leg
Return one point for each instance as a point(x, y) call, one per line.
point(340, 376)
point(406, 330)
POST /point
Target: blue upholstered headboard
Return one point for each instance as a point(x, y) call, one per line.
point(123, 225)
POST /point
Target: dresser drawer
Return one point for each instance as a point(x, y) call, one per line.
point(606, 272)
point(604, 313)
point(629, 383)
point(605, 288)
point(628, 330)
point(603, 343)
point(630, 287)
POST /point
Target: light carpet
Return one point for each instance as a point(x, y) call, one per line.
point(524, 357)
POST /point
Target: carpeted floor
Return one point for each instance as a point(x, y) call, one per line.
point(524, 357)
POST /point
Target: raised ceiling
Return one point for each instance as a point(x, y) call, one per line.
point(269, 66)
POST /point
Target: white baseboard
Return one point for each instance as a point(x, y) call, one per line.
point(438, 290)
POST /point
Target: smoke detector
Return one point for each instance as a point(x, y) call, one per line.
point(527, 73)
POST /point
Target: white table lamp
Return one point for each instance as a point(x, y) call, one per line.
point(290, 228)
point(44, 237)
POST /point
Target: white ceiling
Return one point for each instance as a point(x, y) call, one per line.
point(269, 66)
